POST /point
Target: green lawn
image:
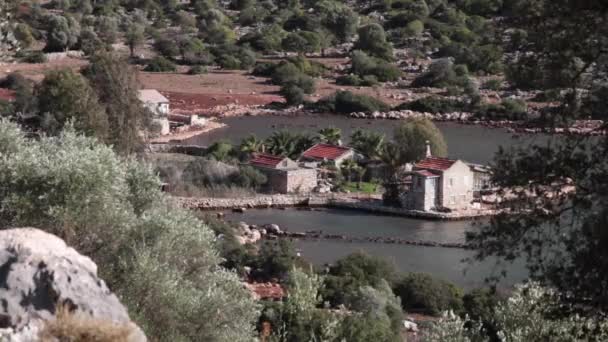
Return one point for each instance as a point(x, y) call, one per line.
point(365, 187)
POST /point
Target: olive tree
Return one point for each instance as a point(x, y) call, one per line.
point(161, 260)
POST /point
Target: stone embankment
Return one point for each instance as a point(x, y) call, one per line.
point(342, 201)
point(262, 201)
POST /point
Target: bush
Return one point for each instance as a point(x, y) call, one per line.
point(350, 80)
point(35, 57)
point(433, 104)
point(492, 84)
point(293, 94)
point(421, 292)
point(508, 109)
point(362, 65)
point(346, 102)
point(264, 69)
point(248, 177)
point(206, 172)
point(197, 70)
point(442, 73)
point(289, 74)
point(161, 64)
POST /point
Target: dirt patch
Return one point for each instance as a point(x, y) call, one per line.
point(36, 71)
point(202, 104)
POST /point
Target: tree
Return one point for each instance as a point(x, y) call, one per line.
point(421, 292)
point(557, 220)
point(252, 144)
point(282, 143)
point(369, 143)
point(372, 40)
point(330, 135)
point(117, 87)
point(62, 33)
point(134, 37)
point(338, 18)
point(160, 260)
point(528, 315)
point(352, 272)
point(411, 139)
point(65, 96)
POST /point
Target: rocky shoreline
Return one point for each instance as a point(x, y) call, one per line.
point(580, 127)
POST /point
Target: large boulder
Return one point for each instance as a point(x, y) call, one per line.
point(40, 277)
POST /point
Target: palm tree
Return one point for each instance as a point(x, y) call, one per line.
point(252, 144)
point(368, 143)
point(282, 143)
point(330, 135)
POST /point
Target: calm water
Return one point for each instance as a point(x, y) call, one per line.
point(471, 143)
point(446, 263)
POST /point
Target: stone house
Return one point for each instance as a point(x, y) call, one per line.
point(326, 153)
point(438, 183)
point(284, 175)
point(158, 105)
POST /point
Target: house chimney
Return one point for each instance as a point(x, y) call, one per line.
point(428, 149)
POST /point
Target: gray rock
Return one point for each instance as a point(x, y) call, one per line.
point(39, 272)
point(273, 229)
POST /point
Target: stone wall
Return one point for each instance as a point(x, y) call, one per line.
point(261, 201)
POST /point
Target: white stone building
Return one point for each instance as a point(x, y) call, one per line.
point(158, 105)
point(284, 175)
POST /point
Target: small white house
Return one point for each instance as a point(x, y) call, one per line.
point(154, 101)
point(158, 105)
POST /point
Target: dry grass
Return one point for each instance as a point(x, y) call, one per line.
point(70, 327)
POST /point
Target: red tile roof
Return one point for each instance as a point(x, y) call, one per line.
point(7, 94)
point(267, 290)
point(325, 152)
point(265, 160)
point(426, 173)
point(435, 163)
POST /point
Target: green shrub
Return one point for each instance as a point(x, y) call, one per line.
point(35, 57)
point(264, 69)
point(161, 64)
point(362, 64)
point(442, 73)
point(248, 177)
point(293, 94)
point(433, 104)
point(508, 109)
point(350, 80)
point(421, 292)
point(198, 70)
point(345, 102)
point(492, 84)
point(369, 80)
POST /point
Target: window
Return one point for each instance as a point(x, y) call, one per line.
point(451, 182)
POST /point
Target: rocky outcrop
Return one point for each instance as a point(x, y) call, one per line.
point(41, 276)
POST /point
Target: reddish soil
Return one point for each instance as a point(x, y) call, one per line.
point(7, 94)
point(192, 103)
point(36, 71)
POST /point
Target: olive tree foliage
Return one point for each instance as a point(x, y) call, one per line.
point(62, 33)
point(159, 259)
point(117, 87)
point(559, 208)
point(65, 96)
point(528, 315)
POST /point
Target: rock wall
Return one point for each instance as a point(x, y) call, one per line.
point(261, 201)
point(40, 275)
